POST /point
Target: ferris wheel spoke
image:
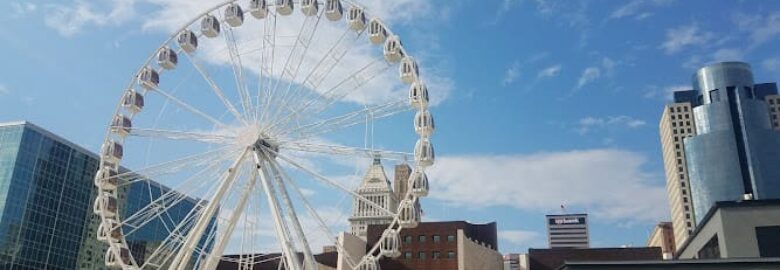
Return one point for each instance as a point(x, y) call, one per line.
point(194, 235)
point(168, 246)
point(311, 210)
point(238, 71)
point(318, 74)
point(219, 248)
point(190, 108)
point(215, 88)
point(181, 135)
point(374, 113)
point(173, 166)
point(267, 65)
point(350, 83)
point(346, 151)
point(332, 183)
point(293, 64)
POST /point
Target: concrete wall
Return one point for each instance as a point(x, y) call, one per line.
point(473, 256)
point(354, 246)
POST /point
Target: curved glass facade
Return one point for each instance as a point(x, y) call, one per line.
point(735, 151)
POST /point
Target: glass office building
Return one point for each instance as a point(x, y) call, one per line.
point(46, 196)
point(736, 150)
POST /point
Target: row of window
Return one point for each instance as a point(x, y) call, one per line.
point(678, 109)
point(422, 238)
point(435, 255)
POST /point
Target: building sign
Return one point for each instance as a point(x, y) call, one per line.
point(566, 220)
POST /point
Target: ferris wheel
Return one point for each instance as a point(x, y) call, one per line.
point(227, 123)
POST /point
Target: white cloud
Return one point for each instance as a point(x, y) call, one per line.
point(760, 27)
point(609, 183)
point(550, 72)
point(589, 75)
point(771, 64)
point(70, 19)
point(505, 7)
point(728, 54)
point(511, 74)
point(587, 124)
point(684, 36)
point(519, 237)
point(20, 9)
point(665, 93)
point(635, 9)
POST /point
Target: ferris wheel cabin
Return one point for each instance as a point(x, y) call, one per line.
point(418, 95)
point(209, 26)
point(394, 51)
point(334, 10)
point(167, 58)
point(419, 183)
point(133, 101)
point(377, 32)
point(187, 41)
point(309, 7)
point(149, 78)
point(234, 15)
point(121, 125)
point(391, 244)
point(423, 123)
point(284, 7)
point(409, 70)
point(356, 18)
point(258, 8)
point(423, 152)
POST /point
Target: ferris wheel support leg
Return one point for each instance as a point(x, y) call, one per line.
point(309, 262)
point(291, 258)
point(193, 237)
point(219, 248)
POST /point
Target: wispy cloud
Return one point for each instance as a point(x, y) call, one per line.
point(550, 72)
point(684, 36)
point(23, 8)
point(519, 237)
point(511, 74)
point(761, 28)
point(637, 9)
point(605, 67)
point(4, 90)
point(70, 19)
point(589, 75)
point(666, 93)
point(505, 7)
point(611, 183)
point(588, 124)
point(771, 64)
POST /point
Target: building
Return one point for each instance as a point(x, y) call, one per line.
point(375, 187)
point(720, 143)
point(663, 237)
point(552, 259)
point(516, 261)
point(444, 245)
point(46, 196)
point(736, 229)
point(722, 264)
point(678, 123)
point(568, 231)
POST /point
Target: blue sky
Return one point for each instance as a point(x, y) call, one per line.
point(538, 103)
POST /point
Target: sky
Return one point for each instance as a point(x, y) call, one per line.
point(538, 103)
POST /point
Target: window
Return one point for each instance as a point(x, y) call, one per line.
point(686, 208)
point(682, 176)
point(408, 239)
point(407, 255)
point(679, 161)
point(714, 95)
point(771, 101)
point(690, 130)
point(711, 250)
point(768, 237)
point(677, 146)
point(451, 254)
point(436, 238)
point(688, 123)
point(450, 238)
point(674, 124)
point(672, 116)
point(436, 255)
point(421, 238)
point(421, 255)
point(685, 200)
point(678, 109)
point(684, 192)
point(682, 184)
point(686, 109)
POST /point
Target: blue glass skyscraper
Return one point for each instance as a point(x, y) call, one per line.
point(736, 150)
point(46, 196)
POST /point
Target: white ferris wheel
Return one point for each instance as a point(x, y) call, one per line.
point(225, 123)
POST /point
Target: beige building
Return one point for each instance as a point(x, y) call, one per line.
point(663, 237)
point(376, 188)
point(677, 123)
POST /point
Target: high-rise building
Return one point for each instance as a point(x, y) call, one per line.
point(46, 196)
point(663, 237)
point(376, 188)
point(401, 180)
point(568, 231)
point(678, 123)
point(720, 143)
